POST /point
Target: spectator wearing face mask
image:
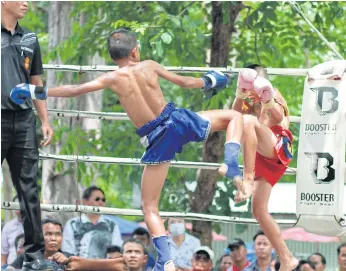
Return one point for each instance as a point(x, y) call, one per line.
point(182, 245)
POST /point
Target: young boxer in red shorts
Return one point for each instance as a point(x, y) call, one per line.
point(266, 149)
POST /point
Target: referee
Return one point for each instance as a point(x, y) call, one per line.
point(21, 63)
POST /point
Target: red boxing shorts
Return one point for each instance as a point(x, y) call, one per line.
point(273, 169)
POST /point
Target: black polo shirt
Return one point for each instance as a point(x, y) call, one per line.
point(20, 59)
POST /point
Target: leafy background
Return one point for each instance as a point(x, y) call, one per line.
point(178, 34)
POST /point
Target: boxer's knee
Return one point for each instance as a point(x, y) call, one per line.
point(249, 133)
point(250, 121)
point(149, 207)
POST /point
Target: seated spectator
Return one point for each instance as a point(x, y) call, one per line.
point(52, 233)
point(89, 235)
point(318, 260)
point(9, 233)
point(342, 257)
point(143, 236)
point(225, 262)
point(238, 253)
point(182, 245)
point(135, 255)
point(202, 259)
point(305, 265)
point(19, 243)
point(113, 252)
point(263, 251)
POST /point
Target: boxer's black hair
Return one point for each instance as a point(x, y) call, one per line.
point(120, 43)
point(135, 241)
point(87, 192)
point(258, 68)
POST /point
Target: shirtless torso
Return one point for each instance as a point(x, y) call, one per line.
point(139, 92)
point(137, 86)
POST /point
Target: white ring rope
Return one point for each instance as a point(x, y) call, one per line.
point(133, 212)
point(96, 68)
point(108, 115)
point(131, 161)
point(136, 162)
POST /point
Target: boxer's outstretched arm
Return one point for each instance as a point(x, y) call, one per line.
point(81, 264)
point(182, 81)
point(102, 82)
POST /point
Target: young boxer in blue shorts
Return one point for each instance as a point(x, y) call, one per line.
point(163, 128)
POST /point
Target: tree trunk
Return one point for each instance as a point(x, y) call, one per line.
point(223, 20)
point(55, 183)
point(59, 187)
point(91, 101)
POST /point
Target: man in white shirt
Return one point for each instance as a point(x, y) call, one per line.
point(181, 244)
point(89, 235)
point(11, 230)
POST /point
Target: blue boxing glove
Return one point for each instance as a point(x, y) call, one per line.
point(24, 91)
point(214, 81)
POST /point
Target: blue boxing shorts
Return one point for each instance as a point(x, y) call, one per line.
point(166, 135)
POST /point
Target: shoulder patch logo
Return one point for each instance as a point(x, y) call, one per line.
point(27, 63)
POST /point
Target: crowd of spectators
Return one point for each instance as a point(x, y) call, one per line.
point(94, 242)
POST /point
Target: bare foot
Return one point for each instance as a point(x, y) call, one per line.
point(290, 265)
point(244, 188)
point(223, 169)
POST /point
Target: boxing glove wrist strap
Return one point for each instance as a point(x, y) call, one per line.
point(38, 92)
point(209, 81)
point(241, 95)
point(269, 105)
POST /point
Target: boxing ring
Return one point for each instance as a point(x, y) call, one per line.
point(321, 152)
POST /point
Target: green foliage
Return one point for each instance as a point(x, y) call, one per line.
point(178, 34)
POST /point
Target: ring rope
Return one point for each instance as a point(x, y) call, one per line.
point(102, 68)
point(137, 162)
point(131, 161)
point(133, 212)
point(109, 115)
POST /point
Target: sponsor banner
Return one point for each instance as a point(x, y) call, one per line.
point(322, 139)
